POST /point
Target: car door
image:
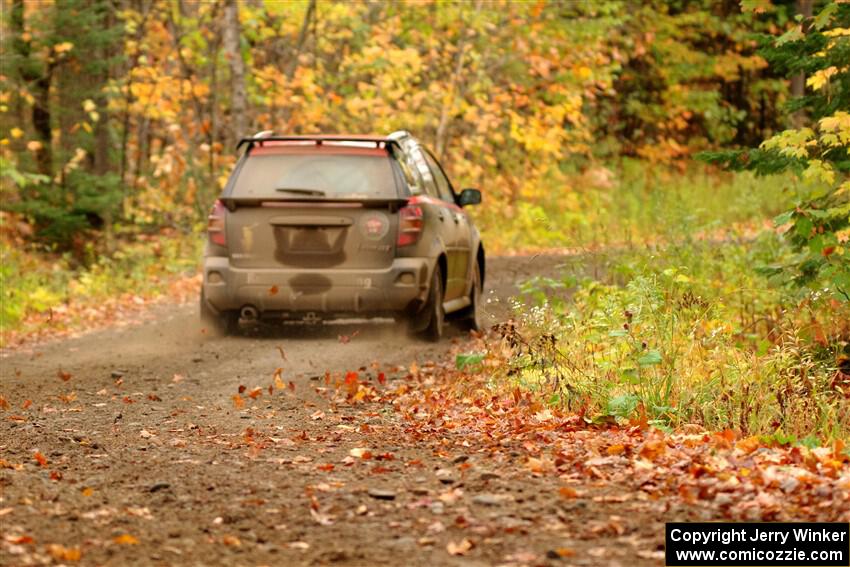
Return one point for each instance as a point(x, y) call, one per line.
point(462, 244)
point(446, 223)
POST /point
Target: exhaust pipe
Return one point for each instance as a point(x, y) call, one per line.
point(249, 313)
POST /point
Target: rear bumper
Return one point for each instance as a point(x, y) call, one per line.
point(326, 292)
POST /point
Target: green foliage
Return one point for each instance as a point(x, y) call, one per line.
point(818, 226)
point(469, 360)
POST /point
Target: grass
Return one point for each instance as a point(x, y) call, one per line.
point(687, 330)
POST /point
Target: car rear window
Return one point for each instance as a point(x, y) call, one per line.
point(334, 175)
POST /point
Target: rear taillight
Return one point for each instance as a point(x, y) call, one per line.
point(409, 225)
point(215, 224)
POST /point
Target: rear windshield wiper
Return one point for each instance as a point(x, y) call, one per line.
point(298, 190)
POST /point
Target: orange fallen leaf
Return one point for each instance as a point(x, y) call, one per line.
point(65, 376)
point(749, 444)
point(41, 459)
point(255, 393)
point(238, 402)
point(278, 382)
point(22, 540)
point(87, 491)
point(567, 492)
point(3, 403)
point(62, 553)
point(232, 541)
point(652, 449)
point(460, 548)
point(616, 449)
point(126, 539)
point(55, 475)
point(327, 467)
point(273, 290)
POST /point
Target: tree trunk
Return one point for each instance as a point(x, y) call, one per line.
point(798, 81)
point(454, 85)
point(238, 103)
point(30, 71)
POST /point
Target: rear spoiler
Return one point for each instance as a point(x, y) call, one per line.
point(232, 203)
point(318, 140)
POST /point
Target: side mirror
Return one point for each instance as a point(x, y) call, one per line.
point(469, 197)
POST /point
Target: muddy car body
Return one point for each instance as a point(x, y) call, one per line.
point(310, 228)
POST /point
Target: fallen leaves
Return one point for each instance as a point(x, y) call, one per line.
point(64, 376)
point(462, 547)
point(40, 459)
point(567, 493)
point(125, 539)
point(62, 553)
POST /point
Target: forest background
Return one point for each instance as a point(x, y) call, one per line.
point(689, 157)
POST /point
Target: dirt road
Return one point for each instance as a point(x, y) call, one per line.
point(126, 446)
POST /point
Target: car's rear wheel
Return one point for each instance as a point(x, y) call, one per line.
point(429, 322)
point(217, 325)
point(471, 318)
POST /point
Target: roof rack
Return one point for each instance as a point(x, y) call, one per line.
point(268, 136)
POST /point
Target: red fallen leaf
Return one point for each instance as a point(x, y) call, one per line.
point(273, 290)
point(22, 540)
point(414, 463)
point(154, 398)
point(255, 393)
point(65, 376)
point(351, 382)
point(327, 467)
point(55, 475)
point(385, 457)
point(271, 389)
point(292, 385)
point(380, 470)
point(344, 339)
point(382, 378)
point(3, 403)
point(827, 251)
point(128, 400)
point(242, 389)
point(26, 404)
point(41, 459)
